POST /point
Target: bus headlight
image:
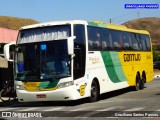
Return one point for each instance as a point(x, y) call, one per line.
point(20, 87)
point(65, 84)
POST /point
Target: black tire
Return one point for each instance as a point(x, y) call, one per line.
point(94, 92)
point(137, 85)
point(3, 96)
point(142, 83)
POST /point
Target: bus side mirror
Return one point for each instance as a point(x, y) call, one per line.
point(9, 51)
point(70, 45)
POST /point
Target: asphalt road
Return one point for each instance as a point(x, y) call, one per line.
point(123, 104)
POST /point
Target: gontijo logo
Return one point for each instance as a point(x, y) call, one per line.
point(146, 6)
point(131, 57)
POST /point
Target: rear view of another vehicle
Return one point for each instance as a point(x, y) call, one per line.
point(157, 65)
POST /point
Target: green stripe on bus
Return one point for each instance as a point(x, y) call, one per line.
point(117, 66)
point(113, 66)
point(102, 25)
point(93, 24)
point(109, 67)
point(49, 84)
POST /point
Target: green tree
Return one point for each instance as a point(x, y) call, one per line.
point(155, 56)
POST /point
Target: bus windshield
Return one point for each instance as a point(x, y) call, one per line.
point(42, 61)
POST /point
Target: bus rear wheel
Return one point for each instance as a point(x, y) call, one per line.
point(94, 92)
point(138, 80)
point(142, 83)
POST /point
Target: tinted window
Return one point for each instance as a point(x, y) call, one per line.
point(117, 39)
point(94, 38)
point(109, 39)
point(139, 40)
point(127, 42)
point(135, 45)
point(79, 51)
point(148, 45)
point(106, 39)
point(145, 42)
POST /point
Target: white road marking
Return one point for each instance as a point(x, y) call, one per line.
point(112, 117)
point(30, 109)
point(134, 109)
point(53, 109)
point(105, 101)
point(81, 109)
point(99, 111)
point(7, 109)
point(111, 108)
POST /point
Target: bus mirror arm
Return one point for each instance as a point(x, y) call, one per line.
point(7, 51)
point(70, 45)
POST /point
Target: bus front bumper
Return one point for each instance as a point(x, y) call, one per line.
point(62, 94)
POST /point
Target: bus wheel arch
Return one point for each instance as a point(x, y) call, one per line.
point(95, 90)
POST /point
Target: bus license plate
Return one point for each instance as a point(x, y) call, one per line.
point(41, 96)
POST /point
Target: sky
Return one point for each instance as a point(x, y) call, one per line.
point(55, 10)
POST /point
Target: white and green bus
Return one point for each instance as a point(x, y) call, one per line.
point(70, 60)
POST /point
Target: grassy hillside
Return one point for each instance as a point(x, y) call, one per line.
point(151, 24)
point(15, 23)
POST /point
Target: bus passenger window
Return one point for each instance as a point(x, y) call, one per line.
point(93, 43)
point(104, 45)
point(139, 39)
point(116, 45)
point(135, 45)
point(121, 41)
point(110, 42)
point(148, 45)
point(97, 43)
point(116, 39)
point(90, 43)
point(126, 41)
point(144, 42)
point(126, 46)
point(105, 38)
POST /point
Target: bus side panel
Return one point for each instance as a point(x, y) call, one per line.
point(133, 62)
point(105, 66)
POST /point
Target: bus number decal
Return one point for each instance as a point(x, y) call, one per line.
point(82, 89)
point(131, 57)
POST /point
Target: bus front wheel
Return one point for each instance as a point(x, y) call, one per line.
point(94, 92)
